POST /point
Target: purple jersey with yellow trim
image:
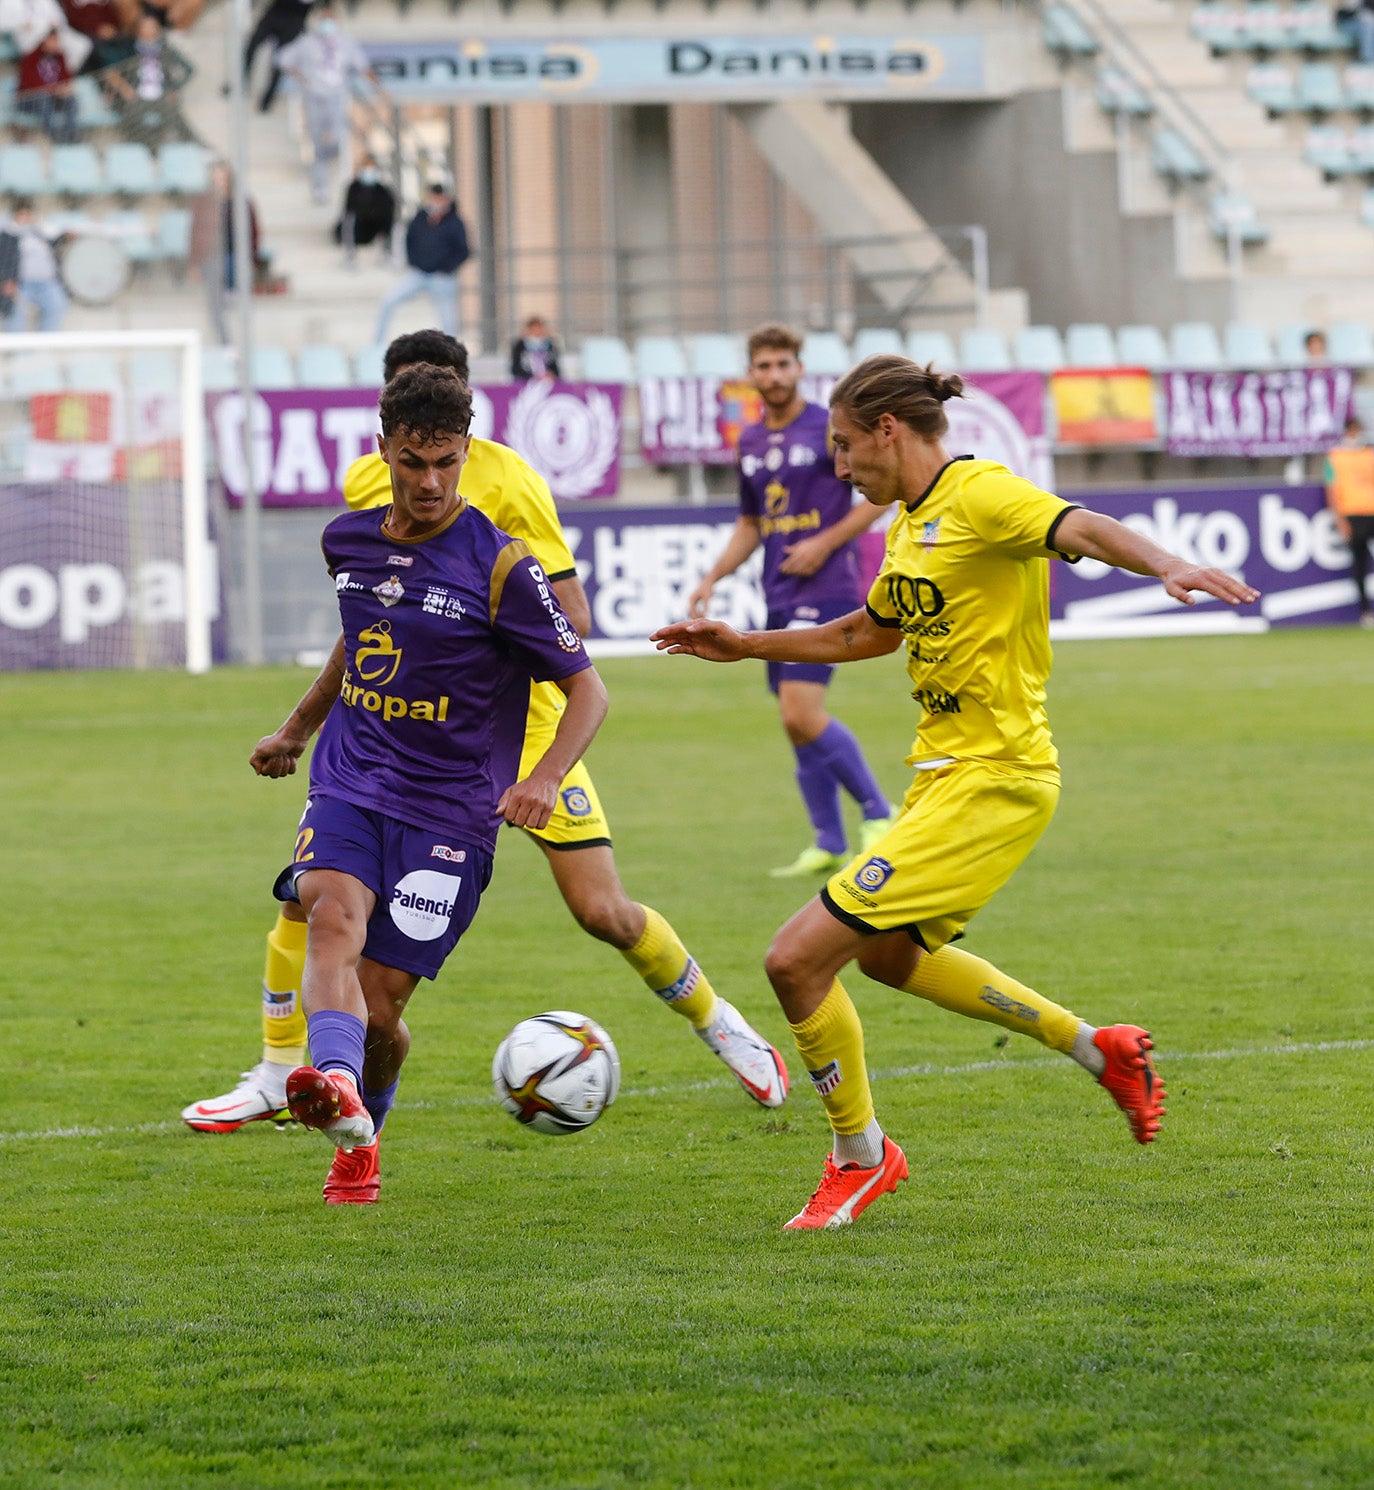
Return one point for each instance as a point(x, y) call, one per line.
point(443, 637)
point(787, 482)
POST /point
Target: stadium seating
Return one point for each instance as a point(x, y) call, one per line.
point(1142, 346)
point(1174, 157)
point(660, 357)
point(157, 372)
point(1039, 349)
point(95, 372)
point(34, 372)
point(1328, 149)
point(1320, 90)
point(932, 346)
point(23, 171)
point(606, 359)
point(219, 369)
point(368, 366)
point(1247, 345)
point(823, 353)
point(1231, 215)
point(1090, 346)
point(1066, 35)
point(129, 169)
point(1271, 85)
point(1119, 93)
point(716, 356)
point(132, 231)
point(74, 171)
point(323, 367)
point(1359, 88)
point(174, 235)
point(1350, 343)
point(984, 350)
point(1194, 344)
point(273, 368)
point(1264, 28)
point(183, 169)
point(877, 341)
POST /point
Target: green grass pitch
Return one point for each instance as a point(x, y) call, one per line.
point(1045, 1304)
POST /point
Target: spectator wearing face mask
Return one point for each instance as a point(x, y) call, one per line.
point(369, 211)
point(534, 353)
point(436, 249)
point(325, 63)
point(45, 90)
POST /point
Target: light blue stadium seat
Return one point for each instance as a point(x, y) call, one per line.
point(62, 223)
point(713, 355)
point(1266, 27)
point(1367, 207)
point(1328, 149)
point(1119, 93)
point(23, 170)
point(1090, 345)
point(1246, 345)
point(1359, 88)
point(877, 341)
point(135, 236)
point(34, 372)
point(1039, 349)
point(1066, 35)
point(92, 109)
point(273, 368)
point(174, 235)
point(1271, 85)
point(606, 359)
point(1220, 27)
point(982, 349)
point(1350, 344)
point(1194, 344)
point(74, 170)
point(1312, 28)
point(660, 357)
point(157, 372)
point(1361, 151)
point(1142, 346)
point(936, 347)
point(825, 354)
point(9, 47)
point(1319, 88)
point(369, 366)
point(1175, 158)
point(183, 168)
point(219, 369)
point(130, 169)
point(8, 117)
point(95, 372)
point(323, 366)
point(1289, 350)
point(1233, 215)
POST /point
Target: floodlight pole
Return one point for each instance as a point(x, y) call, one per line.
point(238, 18)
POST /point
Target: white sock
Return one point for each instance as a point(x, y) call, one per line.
point(865, 1150)
point(1085, 1052)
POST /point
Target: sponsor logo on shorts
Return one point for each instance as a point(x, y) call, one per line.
point(389, 591)
point(827, 1078)
point(577, 802)
point(401, 561)
point(422, 903)
point(874, 875)
point(278, 1005)
point(453, 855)
point(1008, 1005)
point(676, 992)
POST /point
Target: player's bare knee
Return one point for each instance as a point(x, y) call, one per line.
point(609, 918)
point(784, 966)
point(888, 959)
point(335, 923)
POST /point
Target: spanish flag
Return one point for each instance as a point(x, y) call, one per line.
point(1109, 406)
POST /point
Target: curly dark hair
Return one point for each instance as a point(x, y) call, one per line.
point(426, 403)
point(437, 348)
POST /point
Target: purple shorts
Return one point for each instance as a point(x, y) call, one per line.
point(427, 884)
point(795, 617)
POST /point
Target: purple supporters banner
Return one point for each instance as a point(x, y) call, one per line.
point(1281, 539)
point(1296, 411)
point(305, 439)
point(696, 421)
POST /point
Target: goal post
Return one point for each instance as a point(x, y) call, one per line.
point(106, 556)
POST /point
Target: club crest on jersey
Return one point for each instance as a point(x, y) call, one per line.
point(377, 657)
point(827, 1078)
point(930, 534)
point(389, 591)
point(401, 561)
point(577, 802)
point(874, 875)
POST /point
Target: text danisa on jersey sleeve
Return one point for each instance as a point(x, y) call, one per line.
point(966, 578)
point(443, 636)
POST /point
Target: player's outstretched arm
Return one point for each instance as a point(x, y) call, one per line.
point(741, 543)
point(573, 598)
point(276, 754)
point(1098, 537)
point(530, 803)
point(850, 638)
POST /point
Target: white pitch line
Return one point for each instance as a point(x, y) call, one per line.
point(967, 1068)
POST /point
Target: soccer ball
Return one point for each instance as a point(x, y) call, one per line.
point(556, 1073)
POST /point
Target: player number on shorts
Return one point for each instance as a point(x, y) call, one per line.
point(302, 844)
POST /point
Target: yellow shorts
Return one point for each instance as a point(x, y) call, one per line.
point(963, 829)
point(578, 821)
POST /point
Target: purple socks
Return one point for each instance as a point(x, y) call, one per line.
point(844, 757)
point(821, 792)
point(378, 1104)
point(336, 1041)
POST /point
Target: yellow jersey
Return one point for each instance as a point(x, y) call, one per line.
point(517, 499)
point(966, 578)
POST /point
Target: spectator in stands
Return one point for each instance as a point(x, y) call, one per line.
point(534, 353)
point(1357, 21)
point(109, 47)
point(9, 272)
point(177, 15)
point(1314, 344)
point(145, 85)
point(29, 22)
point(325, 63)
point(436, 249)
point(369, 211)
point(90, 17)
point(1350, 496)
point(282, 22)
point(45, 96)
point(211, 257)
point(39, 284)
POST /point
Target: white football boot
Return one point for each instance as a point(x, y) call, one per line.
point(260, 1094)
point(758, 1068)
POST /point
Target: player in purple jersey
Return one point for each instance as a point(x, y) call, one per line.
point(806, 518)
point(446, 621)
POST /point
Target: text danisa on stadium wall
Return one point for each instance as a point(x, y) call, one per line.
point(702, 68)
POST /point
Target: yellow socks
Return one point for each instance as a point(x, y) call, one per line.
point(831, 1045)
point(670, 971)
point(967, 985)
point(283, 1020)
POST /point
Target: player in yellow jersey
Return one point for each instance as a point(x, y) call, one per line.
point(576, 842)
point(965, 585)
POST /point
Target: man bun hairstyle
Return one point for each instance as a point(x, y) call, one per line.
point(895, 385)
point(427, 404)
point(774, 337)
point(435, 347)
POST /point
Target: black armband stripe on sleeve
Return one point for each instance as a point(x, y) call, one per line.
point(1054, 529)
point(889, 621)
point(562, 574)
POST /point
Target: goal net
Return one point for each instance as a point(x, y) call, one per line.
point(105, 552)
